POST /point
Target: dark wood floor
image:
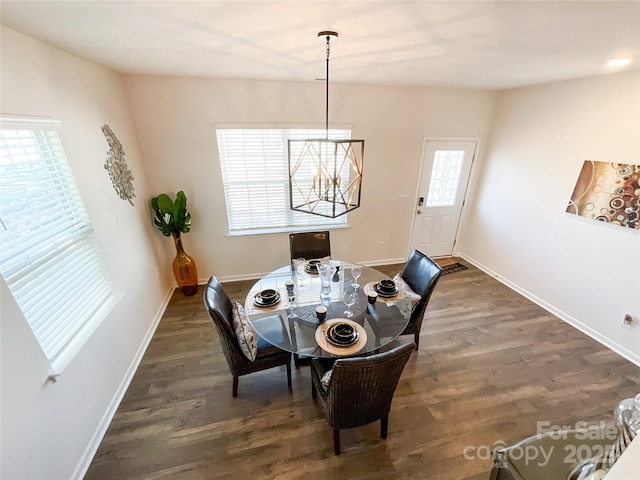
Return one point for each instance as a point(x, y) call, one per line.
point(491, 364)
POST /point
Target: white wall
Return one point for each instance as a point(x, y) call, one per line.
point(585, 271)
point(175, 120)
point(49, 430)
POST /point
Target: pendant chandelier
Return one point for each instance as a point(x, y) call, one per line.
point(325, 175)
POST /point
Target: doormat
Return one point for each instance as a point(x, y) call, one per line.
point(452, 268)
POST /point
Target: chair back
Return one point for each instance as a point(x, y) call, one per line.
point(220, 310)
point(421, 274)
point(309, 245)
point(362, 388)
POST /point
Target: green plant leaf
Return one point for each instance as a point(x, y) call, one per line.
point(165, 203)
point(171, 216)
point(180, 210)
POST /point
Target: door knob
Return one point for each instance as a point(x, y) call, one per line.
point(419, 212)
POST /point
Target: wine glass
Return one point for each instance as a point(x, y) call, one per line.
point(349, 298)
point(298, 266)
point(298, 262)
point(356, 271)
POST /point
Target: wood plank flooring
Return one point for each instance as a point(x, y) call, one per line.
point(491, 364)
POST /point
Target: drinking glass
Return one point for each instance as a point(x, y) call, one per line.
point(321, 312)
point(291, 303)
point(349, 298)
point(290, 286)
point(356, 271)
point(298, 265)
point(325, 271)
point(298, 262)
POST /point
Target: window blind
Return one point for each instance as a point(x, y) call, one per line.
point(49, 256)
point(255, 175)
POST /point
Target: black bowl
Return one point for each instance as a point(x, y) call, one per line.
point(268, 295)
point(342, 333)
point(387, 286)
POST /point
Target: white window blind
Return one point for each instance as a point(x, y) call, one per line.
point(255, 173)
point(49, 256)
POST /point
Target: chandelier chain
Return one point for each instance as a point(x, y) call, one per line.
point(326, 107)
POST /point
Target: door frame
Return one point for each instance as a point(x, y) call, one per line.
point(467, 190)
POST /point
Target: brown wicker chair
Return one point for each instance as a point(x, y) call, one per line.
point(421, 274)
point(360, 389)
point(309, 245)
point(220, 309)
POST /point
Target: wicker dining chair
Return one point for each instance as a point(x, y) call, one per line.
point(268, 356)
point(421, 274)
point(310, 245)
point(360, 389)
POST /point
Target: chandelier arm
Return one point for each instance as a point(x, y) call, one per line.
point(355, 190)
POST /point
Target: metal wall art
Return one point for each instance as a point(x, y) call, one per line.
point(608, 192)
point(116, 165)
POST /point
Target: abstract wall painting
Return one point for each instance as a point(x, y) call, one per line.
point(608, 192)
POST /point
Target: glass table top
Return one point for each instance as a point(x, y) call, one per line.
point(292, 327)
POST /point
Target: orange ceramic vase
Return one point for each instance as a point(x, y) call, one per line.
point(184, 268)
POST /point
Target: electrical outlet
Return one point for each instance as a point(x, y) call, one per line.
point(628, 321)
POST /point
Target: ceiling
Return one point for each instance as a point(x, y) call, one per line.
point(470, 44)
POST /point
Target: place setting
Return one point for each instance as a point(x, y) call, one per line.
point(267, 298)
point(385, 290)
point(341, 336)
point(312, 267)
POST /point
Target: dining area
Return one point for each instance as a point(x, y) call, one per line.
point(179, 418)
point(339, 318)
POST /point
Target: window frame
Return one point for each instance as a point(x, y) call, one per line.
point(51, 241)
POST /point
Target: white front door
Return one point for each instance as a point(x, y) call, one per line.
point(443, 185)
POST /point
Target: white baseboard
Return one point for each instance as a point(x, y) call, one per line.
point(387, 261)
point(87, 457)
point(256, 276)
point(587, 330)
point(236, 278)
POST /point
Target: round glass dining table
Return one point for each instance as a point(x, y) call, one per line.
point(294, 327)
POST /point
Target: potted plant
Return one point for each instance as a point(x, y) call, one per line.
point(173, 219)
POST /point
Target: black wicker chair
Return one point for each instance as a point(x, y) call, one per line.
point(220, 309)
point(360, 390)
point(421, 274)
point(309, 245)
